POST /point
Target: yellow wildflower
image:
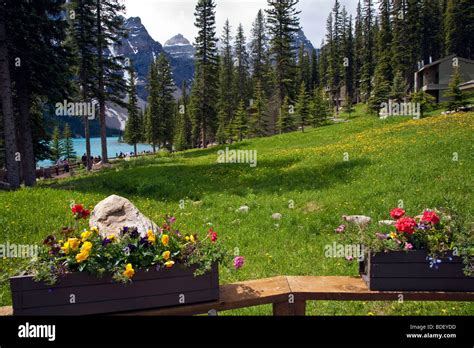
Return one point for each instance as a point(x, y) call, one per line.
point(95, 229)
point(192, 239)
point(74, 243)
point(151, 237)
point(65, 248)
point(166, 255)
point(85, 235)
point(87, 246)
point(82, 256)
point(129, 271)
point(187, 238)
point(165, 239)
point(393, 235)
point(169, 264)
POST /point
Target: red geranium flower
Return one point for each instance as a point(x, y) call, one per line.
point(397, 213)
point(213, 235)
point(430, 216)
point(406, 225)
point(79, 211)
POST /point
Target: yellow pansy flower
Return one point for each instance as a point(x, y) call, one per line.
point(166, 255)
point(87, 246)
point(151, 237)
point(85, 235)
point(165, 239)
point(111, 237)
point(187, 238)
point(65, 247)
point(82, 256)
point(393, 235)
point(191, 238)
point(129, 271)
point(169, 264)
point(95, 229)
point(74, 243)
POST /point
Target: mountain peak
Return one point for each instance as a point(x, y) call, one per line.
point(177, 40)
point(134, 21)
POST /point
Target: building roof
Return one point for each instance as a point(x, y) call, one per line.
point(443, 60)
point(467, 85)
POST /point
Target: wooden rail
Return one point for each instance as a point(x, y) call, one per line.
point(288, 295)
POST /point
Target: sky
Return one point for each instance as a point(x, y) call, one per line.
point(165, 18)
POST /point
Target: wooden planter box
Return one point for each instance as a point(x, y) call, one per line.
point(410, 271)
point(81, 293)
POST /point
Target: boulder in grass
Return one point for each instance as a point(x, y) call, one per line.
point(276, 216)
point(243, 209)
point(115, 212)
point(387, 222)
point(360, 220)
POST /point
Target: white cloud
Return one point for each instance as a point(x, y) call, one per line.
point(166, 18)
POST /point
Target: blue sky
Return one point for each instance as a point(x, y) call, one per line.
point(166, 18)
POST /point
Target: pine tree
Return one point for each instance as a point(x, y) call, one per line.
point(242, 82)
point(424, 99)
point(166, 103)
point(183, 112)
point(384, 42)
point(258, 112)
point(358, 51)
point(319, 108)
point(239, 123)
point(6, 95)
point(414, 23)
point(457, 97)
point(314, 70)
point(459, 28)
point(400, 45)
point(133, 128)
point(399, 88)
point(432, 42)
point(57, 146)
point(283, 23)
point(153, 124)
point(380, 92)
point(286, 121)
point(259, 52)
point(302, 107)
point(227, 99)
point(349, 61)
point(84, 41)
point(179, 142)
point(368, 67)
point(40, 69)
point(335, 42)
point(203, 105)
point(110, 84)
point(68, 146)
point(303, 68)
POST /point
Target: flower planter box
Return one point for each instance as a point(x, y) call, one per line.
point(81, 293)
point(411, 271)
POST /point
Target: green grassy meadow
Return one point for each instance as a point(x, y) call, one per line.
point(387, 161)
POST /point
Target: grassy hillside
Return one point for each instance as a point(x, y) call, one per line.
point(387, 161)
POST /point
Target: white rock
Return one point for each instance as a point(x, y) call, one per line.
point(276, 216)
point(387, 222)
point(243, 209)
point(360, 220)
point(115, 212)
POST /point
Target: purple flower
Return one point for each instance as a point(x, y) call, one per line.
point(106, 241)
point(349, 258)
point(340, 229)
point(171, 220)
point(131, 247)
point(177, 233)
point(125, 230)
point(239, 262)
point(408, 246)
point(134, 233)
point(422, 226)
point(144, 241)
point(381, 235)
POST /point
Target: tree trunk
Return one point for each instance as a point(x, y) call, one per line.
point(7, 107)
point(87, 135)
point(103, 127)
point(28, 157)
point(135, 150)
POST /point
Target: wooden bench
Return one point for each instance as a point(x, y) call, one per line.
point(288, 295)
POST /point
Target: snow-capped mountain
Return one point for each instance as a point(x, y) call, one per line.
point(300, 38)
point(179, 47)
